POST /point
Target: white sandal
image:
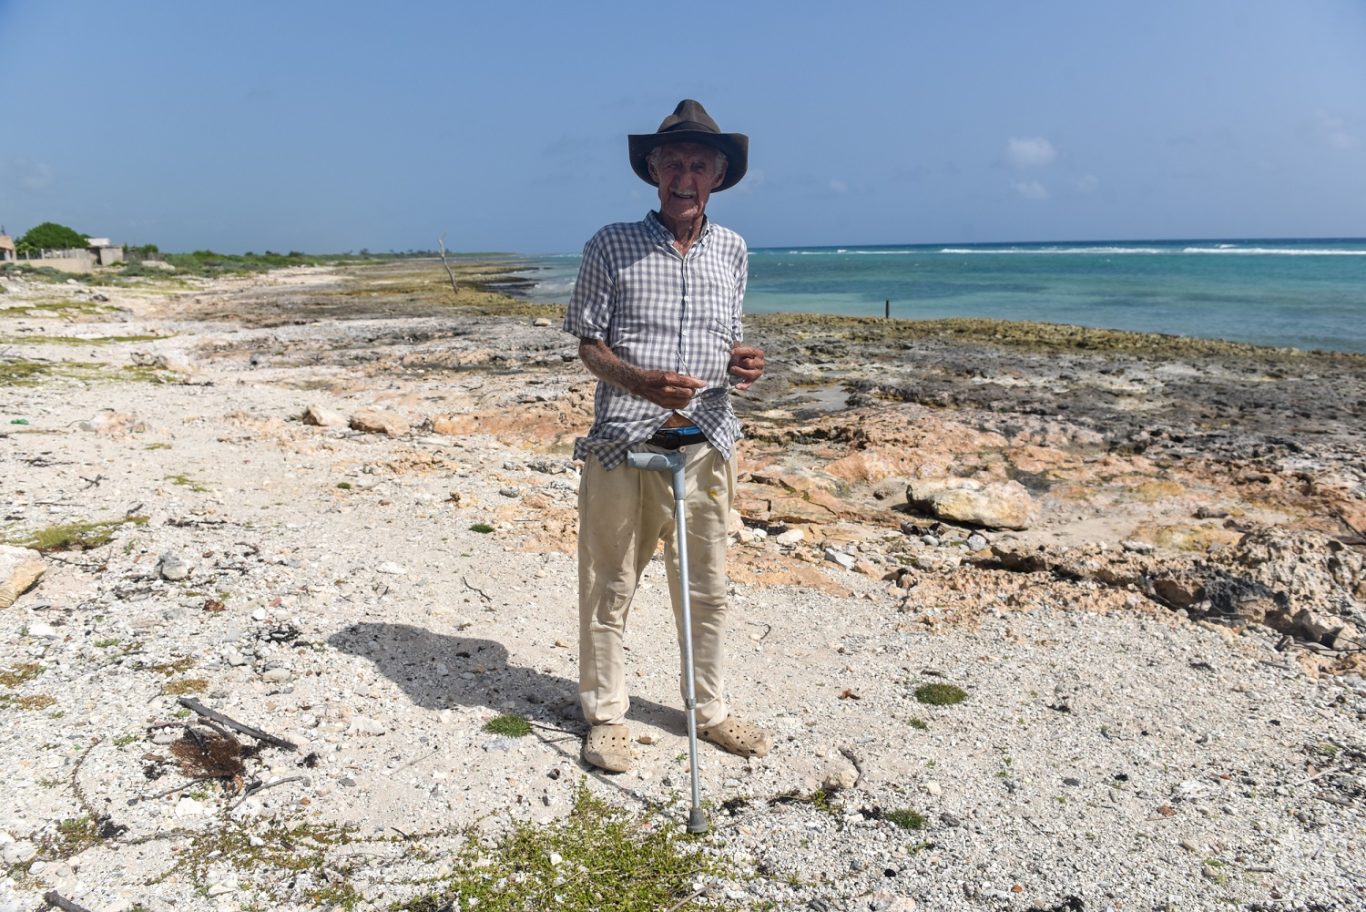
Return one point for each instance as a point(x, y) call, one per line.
point(608, 747)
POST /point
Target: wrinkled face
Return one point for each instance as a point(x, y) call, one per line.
point(687, 173)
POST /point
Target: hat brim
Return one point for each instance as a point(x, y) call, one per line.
point(735, 146)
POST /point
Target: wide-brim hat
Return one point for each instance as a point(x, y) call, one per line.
point(690, 122)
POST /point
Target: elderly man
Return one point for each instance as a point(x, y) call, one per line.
point(656, 309)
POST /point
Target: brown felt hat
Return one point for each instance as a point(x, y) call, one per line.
point(690, 122)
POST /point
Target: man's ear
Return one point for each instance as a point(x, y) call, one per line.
point(720, 175)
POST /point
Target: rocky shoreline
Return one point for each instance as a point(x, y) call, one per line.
point(1162, 658)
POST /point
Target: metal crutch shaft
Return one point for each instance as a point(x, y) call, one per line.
point(673, 463)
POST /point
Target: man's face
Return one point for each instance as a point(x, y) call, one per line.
point(687, 173)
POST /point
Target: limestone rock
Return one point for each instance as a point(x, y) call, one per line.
point(995, 505)
point(374, 421)
point(845, 560)
point(318, 416)
point(842, 776)
point(173, 567)
point(20, 568)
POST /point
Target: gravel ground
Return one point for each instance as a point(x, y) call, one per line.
point(330, 587)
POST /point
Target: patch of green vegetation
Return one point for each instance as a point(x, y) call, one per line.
point(157, 446)
point(166, 669)
point(74, 835)
point(509, 724)
point(1031, 336)
point(185, 686)
point(269, 860)
point(481, 528)
point(940, 694)
point(107, 643)
point(597, 858)
point(20, 372)
point(79, 536)
point(344, 485)
point(65, 309)
point(34, 702)
point(73, 340)
point(186, 481)
point(125, 740)
point(917, 723)
point(18, 674)
point(26, 372)
point(906, 818)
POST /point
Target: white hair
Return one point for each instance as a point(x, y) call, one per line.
point(652, 159)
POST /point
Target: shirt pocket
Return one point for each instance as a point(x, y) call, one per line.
point(714, 304)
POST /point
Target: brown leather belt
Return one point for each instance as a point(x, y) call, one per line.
point(673, 438)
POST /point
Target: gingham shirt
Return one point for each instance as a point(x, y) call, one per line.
point(660, 310)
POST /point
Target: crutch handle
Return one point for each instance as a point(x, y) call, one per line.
point(660, 462)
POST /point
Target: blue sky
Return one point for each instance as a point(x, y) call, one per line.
point(336, 126)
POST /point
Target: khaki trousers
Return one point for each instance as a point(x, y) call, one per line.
point(623, 513)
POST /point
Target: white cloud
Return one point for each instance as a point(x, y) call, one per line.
point(1032, 190)
point(838, 186)
point(1334, 131)
point(753, 180)
point(1030, 152)
point(1087, 183)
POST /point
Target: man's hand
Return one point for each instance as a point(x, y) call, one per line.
point(747, 363)
point(665, 388)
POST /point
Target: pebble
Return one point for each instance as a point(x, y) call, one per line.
point(173, 567)
point(843, 777)
point(977, 541)
point(364, 725)
point(790, 537)
point(844, 559)
point(188, 807)
point(39, 630)
point(18, 852)
point(391, 568)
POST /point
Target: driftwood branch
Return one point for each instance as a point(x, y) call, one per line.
point(262, 786)
point(193, 704)
point(53, 898)
point(441, 244)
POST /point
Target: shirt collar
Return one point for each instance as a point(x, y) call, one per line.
point(666, 237)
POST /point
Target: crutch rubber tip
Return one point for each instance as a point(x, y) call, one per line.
point(697, 821)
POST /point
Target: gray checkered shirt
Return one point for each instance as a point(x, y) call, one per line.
point(660, 310)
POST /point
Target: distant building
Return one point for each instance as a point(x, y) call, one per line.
point(106, 252)
point(97, 252)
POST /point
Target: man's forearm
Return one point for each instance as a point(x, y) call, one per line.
point(604, 364)
point(664, 388)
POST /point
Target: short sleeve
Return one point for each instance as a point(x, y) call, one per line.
point(741, 282)
point(590, 305)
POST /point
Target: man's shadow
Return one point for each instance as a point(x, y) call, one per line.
point(478, 674)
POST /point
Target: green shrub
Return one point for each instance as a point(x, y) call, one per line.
point(509, 724)
point(940, 694)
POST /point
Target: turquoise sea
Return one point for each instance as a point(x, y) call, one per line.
point(1310, 294)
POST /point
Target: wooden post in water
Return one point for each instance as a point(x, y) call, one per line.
point(887, 314)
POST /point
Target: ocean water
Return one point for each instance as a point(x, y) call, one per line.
point(1309, 294)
